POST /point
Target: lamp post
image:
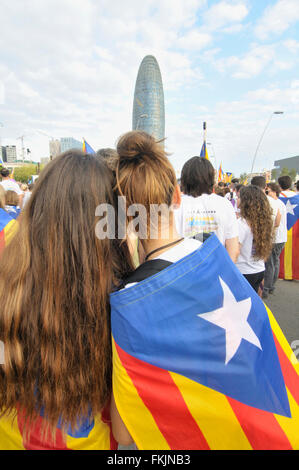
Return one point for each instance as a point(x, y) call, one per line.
point(261, 138)
point(140, 117)
point(214, 155)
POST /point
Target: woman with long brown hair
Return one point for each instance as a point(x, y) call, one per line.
point(255, 234)
point(55, 278)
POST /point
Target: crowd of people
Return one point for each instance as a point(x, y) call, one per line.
point(56, 276)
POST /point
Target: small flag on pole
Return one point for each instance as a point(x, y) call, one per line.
point(204, 152)
point(220, 173)
point(86, 147)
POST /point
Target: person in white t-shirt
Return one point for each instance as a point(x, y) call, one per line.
point(9, 185)
point(273, 263)
point(285, 184)
point(202, 211)
point(255, 234)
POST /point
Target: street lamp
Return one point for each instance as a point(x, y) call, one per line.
point(140, 117)
point(261, 138)
point(214, 155)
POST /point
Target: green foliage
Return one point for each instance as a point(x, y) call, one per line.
point(284, 171)
point(293, 174)
point(274, 174)
point(23, 173)
point(243, 177)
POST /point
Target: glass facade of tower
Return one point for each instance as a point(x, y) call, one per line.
point(148, 108)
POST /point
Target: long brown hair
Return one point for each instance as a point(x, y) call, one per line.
point(55, 278)
point(144, 173)
point(256, 210)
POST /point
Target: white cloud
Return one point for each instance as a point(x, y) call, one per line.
point(278, 18)
point(225, 13)
point(194, 40)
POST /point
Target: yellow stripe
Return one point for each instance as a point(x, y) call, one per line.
point(213, 415)
point(282, 340)
point(137, 418)
point(98, 439)
point(10, 436)
point(288, 262)
point(290, 426)
point(10, 230)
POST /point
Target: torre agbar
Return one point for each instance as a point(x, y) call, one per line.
point(148, 108)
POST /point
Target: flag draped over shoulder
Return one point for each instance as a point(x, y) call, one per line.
point(87, 148)
point(204, 151)
point(94, 434)
point(289, 258)
point(196, 363)
point(8, 228)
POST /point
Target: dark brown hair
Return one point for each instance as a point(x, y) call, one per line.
point(198, 177)
point(256, 210)
point(285, 182)
point(144, 173)
point(274, 187)
point(259, 181)
point(55, 278)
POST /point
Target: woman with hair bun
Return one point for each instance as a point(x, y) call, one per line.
point(55, 280)
point(178, 321)
point(255, 234)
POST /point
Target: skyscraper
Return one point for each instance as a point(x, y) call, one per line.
point(148, 108)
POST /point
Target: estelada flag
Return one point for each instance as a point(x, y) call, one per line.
point(86, 147)
point(8, 228)
point(289, 258)
point(196, 362)
point(220, 173)
point(204, 151)
point(92, 434)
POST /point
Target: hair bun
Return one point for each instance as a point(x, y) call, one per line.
point(136, 146)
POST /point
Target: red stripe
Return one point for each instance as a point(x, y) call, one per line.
point(35, 441)
point(2, 240)
point(164, 400)
point(295, 251)
point(261, 427)
point(290, 375)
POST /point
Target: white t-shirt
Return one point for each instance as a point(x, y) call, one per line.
point(287, 193)
point(177, 252)
point(246, 262)
point(207, 213)
point(274, 207)
point(281, 234)
point(10, 185)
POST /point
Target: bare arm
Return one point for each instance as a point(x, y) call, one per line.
point(119, 430)
point(277, 219)
point(233, 248)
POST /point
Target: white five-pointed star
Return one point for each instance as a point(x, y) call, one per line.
point(290, 207)
point(232, 317)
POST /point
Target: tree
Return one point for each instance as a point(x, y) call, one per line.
point(243, 177)
point(284, 171)
point(293, 174)
point(274, 174)
point(24, 173)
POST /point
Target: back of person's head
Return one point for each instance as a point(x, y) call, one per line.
point(285, 182)
point(30, 186)
point(238, 187)
point(259, 181)
point(198, 177)
point(11, 198)
point(297, 185)
point(110, 157)
point(24, 187)
point(274, 187)
point(144, 174)
point(219, 190)
point(256, 210)
point(2, 197)
point(221, 184)
point(5, 172)
point(55, 280)
point(235, 180)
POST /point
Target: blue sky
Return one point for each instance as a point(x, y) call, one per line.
point(68, 68)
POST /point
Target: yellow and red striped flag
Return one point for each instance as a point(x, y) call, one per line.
point(289, 258)
point(8, 228)
point(197, 362)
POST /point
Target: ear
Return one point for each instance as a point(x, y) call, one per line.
point(176, 199)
